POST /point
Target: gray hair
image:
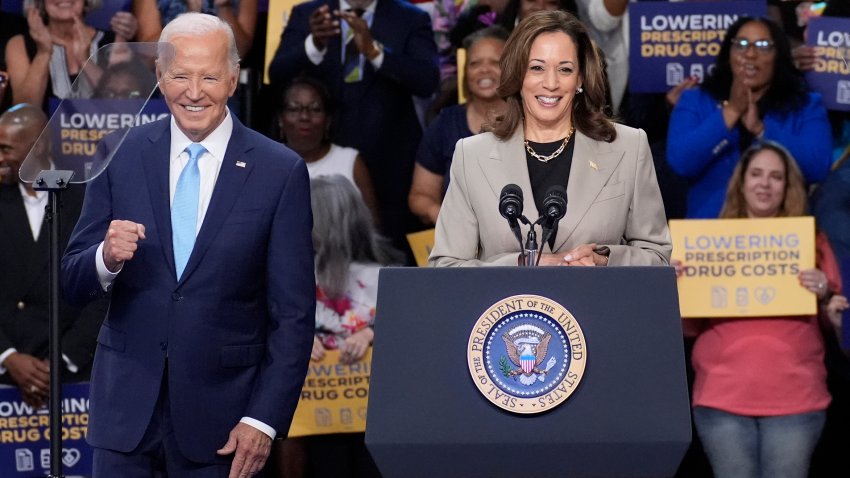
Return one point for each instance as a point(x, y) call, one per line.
point(196, 24)
point(495, 32)
point(343, 233)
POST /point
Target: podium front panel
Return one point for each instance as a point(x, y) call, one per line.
point(628, 417)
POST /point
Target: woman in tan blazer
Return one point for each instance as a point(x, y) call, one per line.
point(554, 133)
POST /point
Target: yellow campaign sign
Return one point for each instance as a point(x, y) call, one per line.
point(334, 397)
point(460, 58)
point(421, 244)
point(744, 267)
point(278, 17)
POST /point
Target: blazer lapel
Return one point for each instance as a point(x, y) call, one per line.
point(156, 160)
point(230, 180)
point(592, 166)
point(506, 165)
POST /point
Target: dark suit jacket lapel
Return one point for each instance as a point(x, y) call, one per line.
point(230, 180)
point(332, 61)
point(13, 217)
point(156, 158)
point(592, 165)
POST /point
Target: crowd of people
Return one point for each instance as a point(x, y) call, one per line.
point(367, 94)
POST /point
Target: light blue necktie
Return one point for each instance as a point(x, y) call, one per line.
point(184, 208)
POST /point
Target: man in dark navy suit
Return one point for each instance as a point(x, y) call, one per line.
point(200, 230)
point(24, 257)
point(374, 56)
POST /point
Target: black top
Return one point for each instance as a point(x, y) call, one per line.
point(545, 175)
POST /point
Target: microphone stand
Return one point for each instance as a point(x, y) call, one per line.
point(54, 181)
point(532, 257)
point(548, 229)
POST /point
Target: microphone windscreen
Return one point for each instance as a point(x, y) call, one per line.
point(511, 201)
point(555, 202)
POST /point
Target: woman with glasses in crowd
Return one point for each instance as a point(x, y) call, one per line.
point(304, 122)
point(754, 92)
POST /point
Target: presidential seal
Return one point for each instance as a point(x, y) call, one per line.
point(526, 354)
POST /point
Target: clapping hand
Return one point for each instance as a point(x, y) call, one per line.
point(743, 103)
point(125, 26)
point(362, 35)
point(39, 32)
point(323, 26)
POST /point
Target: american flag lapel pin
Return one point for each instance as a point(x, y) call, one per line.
point(240, 164)
point(593, 165)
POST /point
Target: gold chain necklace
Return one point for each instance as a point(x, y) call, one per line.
point(546, 159)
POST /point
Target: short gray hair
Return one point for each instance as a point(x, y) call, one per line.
point(195, 24)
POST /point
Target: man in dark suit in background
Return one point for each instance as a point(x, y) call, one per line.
point(200, 228)
point(373, 55)
point(24, 291)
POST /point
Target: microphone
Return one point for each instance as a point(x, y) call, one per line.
point(510, 202)
point(554, 209)
point(510, 207)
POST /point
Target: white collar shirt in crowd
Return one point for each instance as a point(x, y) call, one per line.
point(34, 206)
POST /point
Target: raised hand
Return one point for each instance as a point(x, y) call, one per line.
point(323, 26)
point(125, 25)
point(39, 32)
point(751, 119)
point(362, 36)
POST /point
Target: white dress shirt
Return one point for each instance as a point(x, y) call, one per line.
point(209, 165)
point(35, 209)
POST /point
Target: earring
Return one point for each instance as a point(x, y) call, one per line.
point(580, 89)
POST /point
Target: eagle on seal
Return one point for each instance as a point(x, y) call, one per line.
point(527, 352)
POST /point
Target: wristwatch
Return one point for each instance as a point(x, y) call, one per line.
point(377, 48)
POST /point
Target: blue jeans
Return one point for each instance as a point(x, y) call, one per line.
point(740, 446)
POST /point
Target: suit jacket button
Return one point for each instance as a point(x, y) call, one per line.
point(176, 297)
point(21, 305)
